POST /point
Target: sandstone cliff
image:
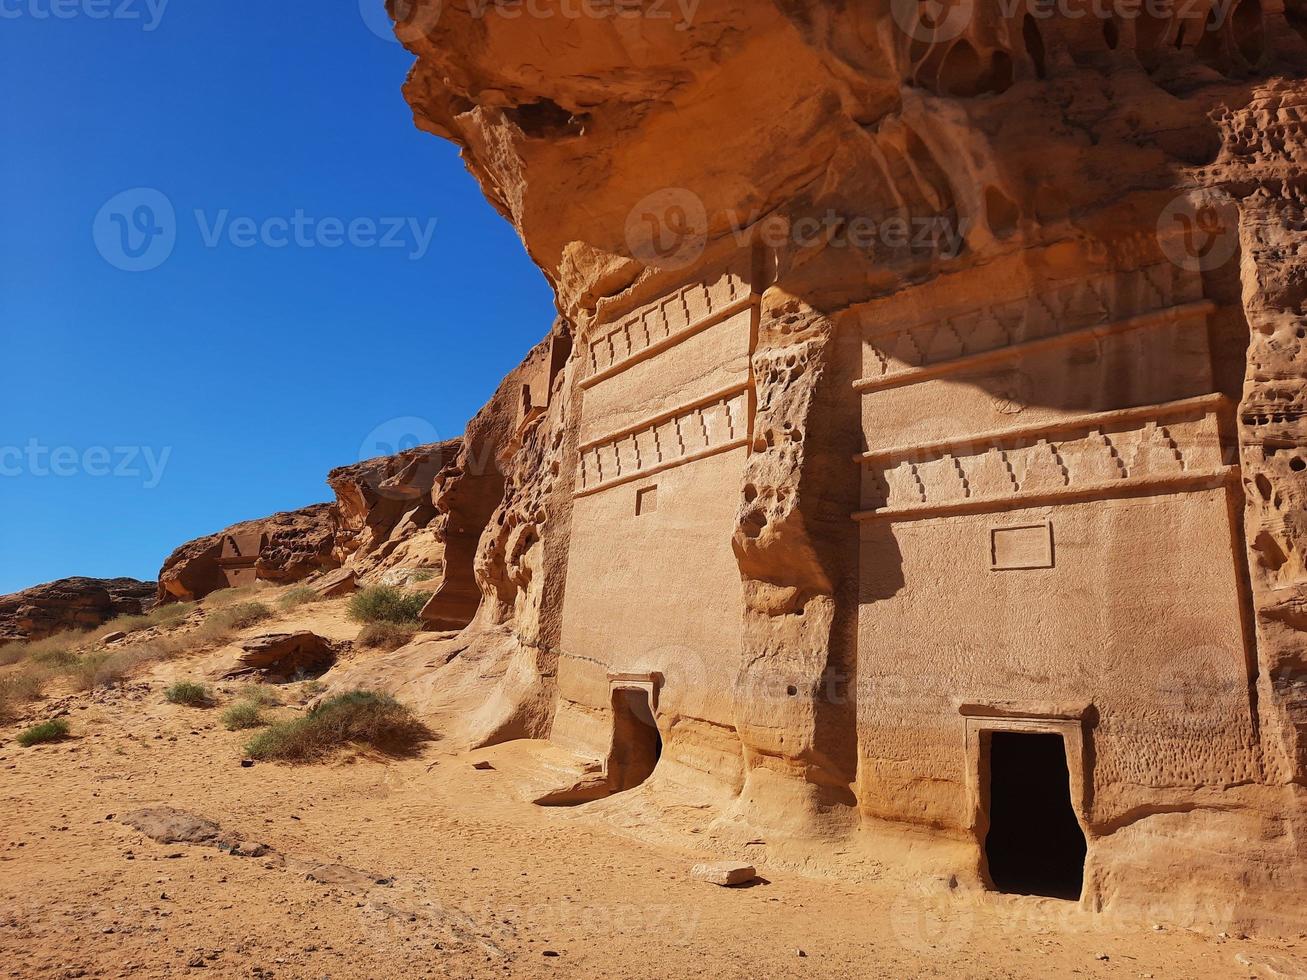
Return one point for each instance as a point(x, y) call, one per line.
point(931, 377)
point(71, 604)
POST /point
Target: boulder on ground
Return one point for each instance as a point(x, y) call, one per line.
point(342, 581)
point(281, 656)
point(724, 873)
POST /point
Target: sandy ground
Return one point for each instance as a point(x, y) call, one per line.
point(475, 881)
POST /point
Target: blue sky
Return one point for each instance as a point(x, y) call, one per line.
point(275, 337)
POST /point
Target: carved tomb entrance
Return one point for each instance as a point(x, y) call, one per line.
point(1035, 845)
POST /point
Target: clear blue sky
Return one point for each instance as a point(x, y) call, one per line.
point(245, 371)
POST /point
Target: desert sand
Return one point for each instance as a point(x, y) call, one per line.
point(478, 881)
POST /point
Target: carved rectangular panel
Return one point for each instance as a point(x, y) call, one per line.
point(1023, 546)
point(646, 500)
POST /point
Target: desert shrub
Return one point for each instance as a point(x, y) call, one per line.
point(386, 636)
point(385, 604)
point(125, 624)
point(242, 715)
point(422, 575)
point(47, 731)
point(260, 694)
point(353, 718)
point(106, 668)
point(19, 688)
point(221, 623)
point(165, 615)
point(298, 597)
point(86, 672)
point(188, 693)
point(171, 612)
point(50, 649)
point(244, 614)
point(225, 597)
point(55, 659)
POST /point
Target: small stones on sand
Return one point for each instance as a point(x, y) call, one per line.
point(483, 766)
point(724, 873)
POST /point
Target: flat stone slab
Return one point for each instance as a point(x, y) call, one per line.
point(724, 873)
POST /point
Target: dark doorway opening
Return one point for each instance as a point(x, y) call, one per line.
point(637, 745)
point(1035, 845)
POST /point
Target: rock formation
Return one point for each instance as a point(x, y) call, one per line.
point(385, 510)
point(282, 548)
point(71, 604)
point(921, 449)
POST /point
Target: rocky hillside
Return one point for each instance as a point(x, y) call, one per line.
point(385, 509)
point(295, 544)
point(71, 604)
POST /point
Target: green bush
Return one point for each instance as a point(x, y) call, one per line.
point(356, 717)
point(188, 693)
point(386, 636)
point(242, 715)
point(385, 604)
point(47, 731)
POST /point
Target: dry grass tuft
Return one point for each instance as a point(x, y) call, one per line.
point(221, 623)
point(167, 615)
point(386, 636)
point(17, 690)
point(301, 596)
point(354, 718)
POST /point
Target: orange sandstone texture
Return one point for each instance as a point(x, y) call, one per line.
point(919, 456)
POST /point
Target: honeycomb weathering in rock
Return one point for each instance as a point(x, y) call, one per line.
point(915, 388)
